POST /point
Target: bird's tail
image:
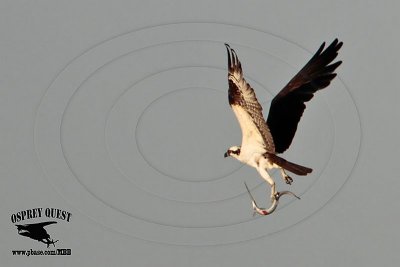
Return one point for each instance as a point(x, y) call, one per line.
point(289, 166)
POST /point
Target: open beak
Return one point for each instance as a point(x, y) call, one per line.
point(226, 155)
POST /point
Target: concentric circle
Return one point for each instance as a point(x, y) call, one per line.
point(127, 156)
point(164, 130)
point(133, 131)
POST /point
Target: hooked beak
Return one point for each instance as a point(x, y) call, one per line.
point(226, 155)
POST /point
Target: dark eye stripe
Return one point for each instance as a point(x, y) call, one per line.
point(237, 152)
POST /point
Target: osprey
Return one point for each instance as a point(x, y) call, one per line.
point(37, 232)
point(263, 140)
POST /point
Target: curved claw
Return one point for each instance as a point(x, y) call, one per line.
point(288, 179)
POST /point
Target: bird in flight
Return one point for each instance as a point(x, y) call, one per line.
point(37, 232)
point(263, 139)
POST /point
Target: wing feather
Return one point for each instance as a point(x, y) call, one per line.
point(248, 111)
point(288, 105)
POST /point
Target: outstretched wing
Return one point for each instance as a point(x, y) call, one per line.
point(288, 105)
point(248, 111)
point(34, 225)
point(43, 224)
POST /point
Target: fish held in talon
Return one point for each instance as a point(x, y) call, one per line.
point(263, 140)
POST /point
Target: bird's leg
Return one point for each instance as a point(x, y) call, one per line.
point(286, 177)
point(265, 175)
point(49, 241)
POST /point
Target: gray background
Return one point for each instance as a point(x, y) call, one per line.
point(102, 115)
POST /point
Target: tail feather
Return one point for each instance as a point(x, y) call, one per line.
point(289, 166)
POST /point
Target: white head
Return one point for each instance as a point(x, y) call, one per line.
point(233, 151)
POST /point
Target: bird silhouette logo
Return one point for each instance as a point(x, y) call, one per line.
point(37, 232)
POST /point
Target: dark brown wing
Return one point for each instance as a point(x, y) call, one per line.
point(246, 107)
point(288, 105)
point(38, 225)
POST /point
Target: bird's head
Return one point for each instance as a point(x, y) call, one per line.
point(233, 151)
